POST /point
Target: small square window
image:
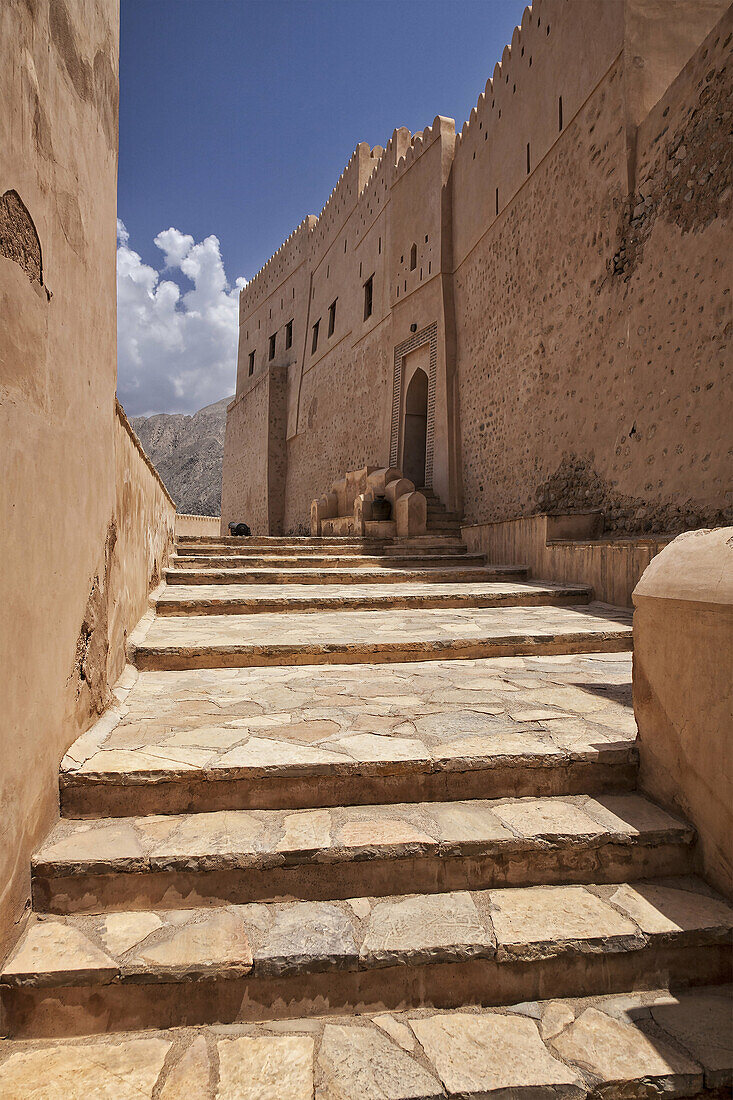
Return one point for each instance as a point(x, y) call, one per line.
point(251, 362)
point(314, 341)
point(273, 341)
point(332, 317)
point(368, 297)
point(289, 335)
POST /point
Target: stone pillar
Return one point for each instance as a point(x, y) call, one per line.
point(411, 515)
point(683, 698)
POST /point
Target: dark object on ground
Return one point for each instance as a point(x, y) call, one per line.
point(239, 529)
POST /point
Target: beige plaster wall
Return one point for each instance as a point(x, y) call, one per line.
point(143, 524)
point(683, 700)
point(567, 549)
point(244, 480)
point(74, 574)
point(197, 525)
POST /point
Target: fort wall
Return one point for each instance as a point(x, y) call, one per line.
point(85, 523)
point(616, 340)
point(574, 316)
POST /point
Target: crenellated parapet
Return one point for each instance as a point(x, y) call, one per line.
point(518, 57)
point(375, 191)
point(422, 141)
point(292, 252)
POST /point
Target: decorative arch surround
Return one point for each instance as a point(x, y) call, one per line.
point(427, 335)
point(19, 240)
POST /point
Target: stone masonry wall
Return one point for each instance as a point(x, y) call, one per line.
point(244, 485)
point(600, 381)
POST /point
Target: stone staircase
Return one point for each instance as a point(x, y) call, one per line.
point(362, 821)
point(440, 520)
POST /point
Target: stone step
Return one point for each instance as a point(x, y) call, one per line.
point(276, 541)
point(361, 637)
point(233, 599)
point(339, 547)
point(415, 560)
point(238, 856)
point(423, 542)
point(652, 1043)
point(310, 736)
point(196, 553)
point(86, 974)
point(441, 510)
point(362, 770)
point(353, 575)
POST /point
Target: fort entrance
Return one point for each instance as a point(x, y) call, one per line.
point(415, 427)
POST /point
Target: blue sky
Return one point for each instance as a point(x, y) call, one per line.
point(236, 119)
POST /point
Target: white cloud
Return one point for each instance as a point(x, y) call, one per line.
point(176, 352)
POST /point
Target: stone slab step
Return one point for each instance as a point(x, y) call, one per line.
point(237, 856)
point(359, 637)
point(249, 549)
point(164, 968)
point(320, 735)
point(349, 575)
point(276, 541)
point(417, 559)
point(345, 547)
point(363, 770)
point(654, 1042)
point(233, 599)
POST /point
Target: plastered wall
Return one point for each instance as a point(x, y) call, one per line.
point(569, 251)
point(84, 523)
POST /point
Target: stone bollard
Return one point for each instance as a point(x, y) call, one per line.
point(683, 699)
point(411, 515)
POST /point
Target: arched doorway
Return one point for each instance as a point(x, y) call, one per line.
point(416, 426)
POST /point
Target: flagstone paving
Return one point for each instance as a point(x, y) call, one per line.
point(330, 828)
point(640, 1044)
point(561, 700)
point(367, 636)
point(441, 719)
point(181, 599)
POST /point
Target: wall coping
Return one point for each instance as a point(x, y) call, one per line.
point(584, 540)
point(696, 567)
point(122, 415)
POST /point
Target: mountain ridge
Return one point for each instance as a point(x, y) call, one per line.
point(187, 451)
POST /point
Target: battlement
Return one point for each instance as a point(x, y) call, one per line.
point(371, 171)
point(558, 54)
point(291, 252)
point(518, 57)
point(376, 187)
point(421, 142)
